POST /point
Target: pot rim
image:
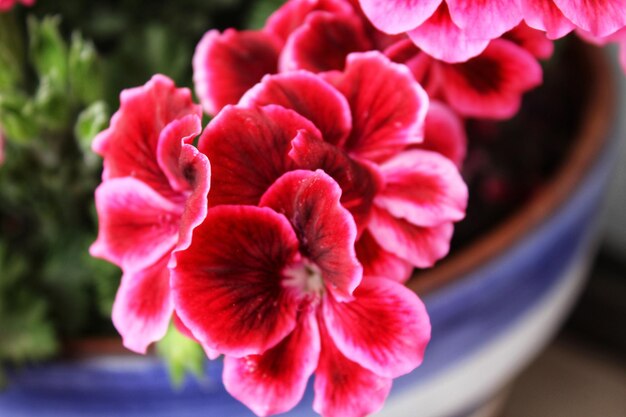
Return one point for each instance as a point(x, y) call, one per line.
point(591, 138)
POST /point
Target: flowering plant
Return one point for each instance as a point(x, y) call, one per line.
point(280, 233)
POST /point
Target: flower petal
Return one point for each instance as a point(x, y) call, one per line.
point(274, 381)
point(226, 65)
point(444, 133)
point(307, 47)
point(384, 329)
point(343, 387)
point(422, 187)
point(180, 326)
point(143, 306)
point(378, 262)
point(248, 149)
point(600, 17)
point(397, 16)
point(388, 105)
point(532, 40)
point(137, 225)
point(422, 246)
point(325, 230)
point(485, 19)
point(545, 15)
point(227, 283)
point(309, 96)
point(440, 38)
point(491, 85)
point(129, 145)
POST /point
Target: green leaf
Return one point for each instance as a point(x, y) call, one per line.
point(85, 75)
point(182, 355)
point(16, 117)
point(11, 53)
point(48, 51)
point(90, 122)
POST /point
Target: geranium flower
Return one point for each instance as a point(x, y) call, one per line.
point(278, 290)
point(356, 127)
point(6, 5)
point(153, 194)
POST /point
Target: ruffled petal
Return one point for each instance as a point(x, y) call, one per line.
point(308, 47)
point(343, 387)
point(325, 230)
point(129, 145)
point(248, 149)
point(397, 16)
point(440, 38)
point(444, 133)
point(226, 65)
point(137, 225)
point(492, 84)
point(378, 262)
point(600, 17)
point(545, 15)
point(274, 381)
point(143, 306)
point(309, 96)
point(422, 187)
point(227, 285)
point(388, 106)
point(384, 329)
point(422, 246)
point(534, 41)
point(486, 19)
point(359, 183)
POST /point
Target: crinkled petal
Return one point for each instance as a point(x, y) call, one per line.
point(343, 387)
point(227, 284)
point(129, 145)
point(226, 65)
point(378, 262)
point(600, 17)
point(359, 182)
point(308, 47)
point(274, 381)
point(492, 84)
point(444, 133)
point(388, 106)
point(384, 329)
point(308, 95)
point(485, 19)
point(422, 246)
point(325, 230)
point(534, 41)
point(143, 306)
point(137, 225)
point(397, 16)
point(545, 15)
point(248, 149)
point(440, 38)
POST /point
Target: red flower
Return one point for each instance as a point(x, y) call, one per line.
point(153, 194)
point(6, 5)
point(276, 289)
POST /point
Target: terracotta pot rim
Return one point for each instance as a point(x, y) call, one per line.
point(588, 144)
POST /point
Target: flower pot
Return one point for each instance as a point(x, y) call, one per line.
point(493, 306)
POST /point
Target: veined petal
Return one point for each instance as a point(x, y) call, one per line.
point(248, 149)
point(384, 329)
point(308, 46)
point(397, 16)
point(485, 19)
point(226, 65)
point(227, 283)
point(422, 246)
point(545, 15)
point(388, 106)
point(444, 133)
point(492, 84)
point(129, 145)
point(440, 38)
point(359, 182)
point(274, 381)
point(180, 326)
point(343, 387)
point(137, 225)
point(143, 306)
point(309, 96)
point(378, 262)
point(325, 230)
point(422, 187)
point(600, 17)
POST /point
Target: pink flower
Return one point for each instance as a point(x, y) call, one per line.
point(278, 290)
point(6, 5)
point(153, 194)
point(357, 127)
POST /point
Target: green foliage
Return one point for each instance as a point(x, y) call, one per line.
point(182, 355)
